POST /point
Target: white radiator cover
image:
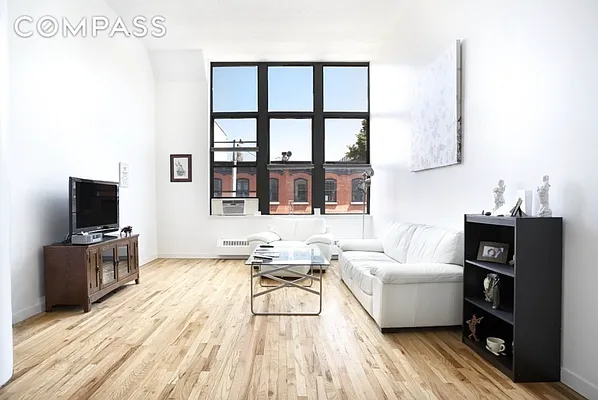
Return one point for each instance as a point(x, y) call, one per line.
point(233, 243)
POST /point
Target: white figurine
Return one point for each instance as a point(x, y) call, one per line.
point(543, 189)
point(499, 198)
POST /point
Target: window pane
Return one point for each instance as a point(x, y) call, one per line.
point(346, 140)
point(349, 198)
point(290, 89)
point(234, 89)
point(242, 187)
point(274, 190)
point(357, 194)
point(292, 135)
point(235, 181)
point(330, 191)
point(217, 187)
point(294, 191)
point(300, 190)
point(234, 133)
point(345, 89)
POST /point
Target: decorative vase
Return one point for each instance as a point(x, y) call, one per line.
point(492, 290)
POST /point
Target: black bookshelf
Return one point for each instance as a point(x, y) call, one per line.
point(529, 316)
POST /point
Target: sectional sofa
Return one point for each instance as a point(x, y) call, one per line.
point(412, 276)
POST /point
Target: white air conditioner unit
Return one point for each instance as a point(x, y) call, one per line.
point(233, 206)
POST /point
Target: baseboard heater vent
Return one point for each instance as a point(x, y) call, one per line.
point(232, 243)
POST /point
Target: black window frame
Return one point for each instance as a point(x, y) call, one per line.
point(274, 199)
point(318, 116)
point(333, 190)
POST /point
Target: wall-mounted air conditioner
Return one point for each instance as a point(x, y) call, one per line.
point(233, 206)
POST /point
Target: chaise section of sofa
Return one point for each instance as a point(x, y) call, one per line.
point(410, 277)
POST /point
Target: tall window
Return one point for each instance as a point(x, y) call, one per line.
point(311, 121)
point(242, 187)
point(330, 190)
point(217, 187)
point(300, 190)
point(273, 190)
point(357, 193)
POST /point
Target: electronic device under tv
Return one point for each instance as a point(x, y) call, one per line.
point(93, 209)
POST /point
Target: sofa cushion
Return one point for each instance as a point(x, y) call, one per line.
point(288, 243)
point(323, 238)
point(284, 227)
point(417, 273)
point(431, 244)
point(308, 227)
point(357, 264)
point(370, 256)
point(396, 240)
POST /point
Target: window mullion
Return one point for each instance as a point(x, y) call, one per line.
point(263, 140)
point(318, 174)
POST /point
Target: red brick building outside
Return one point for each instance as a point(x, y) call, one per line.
point(291, 189)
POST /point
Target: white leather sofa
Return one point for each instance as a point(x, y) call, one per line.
point(411, 277)
point(296, 231)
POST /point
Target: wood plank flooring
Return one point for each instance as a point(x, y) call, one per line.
point(186, 332)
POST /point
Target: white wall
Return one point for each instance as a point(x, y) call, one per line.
point(5, 303)
point(530, 98)
point(78, 107)
point(390, 92)
point(185, 228)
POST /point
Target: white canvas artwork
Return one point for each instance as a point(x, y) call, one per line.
point(436, 115)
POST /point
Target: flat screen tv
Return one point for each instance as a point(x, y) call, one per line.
point(93, 206)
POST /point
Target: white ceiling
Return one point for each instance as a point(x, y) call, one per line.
point(310, 27)
point(347, 30)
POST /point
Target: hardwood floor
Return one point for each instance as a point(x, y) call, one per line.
point(186, 332)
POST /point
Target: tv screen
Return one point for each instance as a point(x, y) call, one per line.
point(94, 206)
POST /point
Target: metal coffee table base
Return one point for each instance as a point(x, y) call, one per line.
point(286, 283)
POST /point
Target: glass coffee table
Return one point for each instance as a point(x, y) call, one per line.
point(289, 266)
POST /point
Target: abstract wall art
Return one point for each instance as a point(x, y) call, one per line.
point(436, 115)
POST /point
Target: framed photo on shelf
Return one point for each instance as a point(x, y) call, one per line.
point(493, 252)
point(180, 168)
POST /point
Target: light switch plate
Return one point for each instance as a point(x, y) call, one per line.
point(123, 174)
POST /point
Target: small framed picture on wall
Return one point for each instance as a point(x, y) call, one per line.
point(180, 168)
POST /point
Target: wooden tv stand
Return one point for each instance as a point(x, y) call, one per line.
point(82, 274)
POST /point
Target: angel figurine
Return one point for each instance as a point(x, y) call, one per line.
point(544, 210)
point(499, 198)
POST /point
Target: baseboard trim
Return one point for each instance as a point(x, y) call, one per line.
point(147, 260)
point(29, 312)
point(579, 384)
point(206, 256)
point(40, 307)
point(214, 257)
point(420, 329)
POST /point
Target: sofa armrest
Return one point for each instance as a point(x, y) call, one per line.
point(322, 238)
point(374, 245)
point(266, 237)
point(394, 273)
